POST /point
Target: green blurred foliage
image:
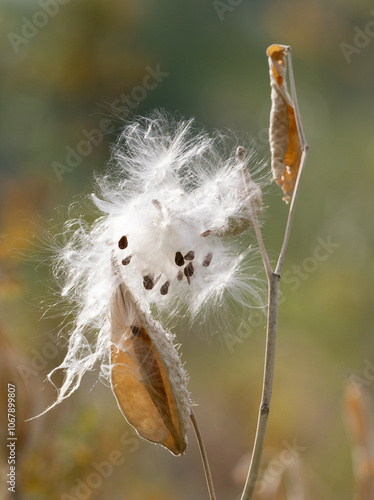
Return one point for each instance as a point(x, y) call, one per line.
point(63, 80)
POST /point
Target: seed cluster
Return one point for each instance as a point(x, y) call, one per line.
point(149, 280)
point(180, 261)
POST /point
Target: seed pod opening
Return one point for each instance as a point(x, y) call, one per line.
point(147, 375)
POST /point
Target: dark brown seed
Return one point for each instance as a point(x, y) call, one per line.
point(188, 271)
point(136, 331)
point(180, 275)
point(165, 288)
point(189, 255)
point(179, 260)
point(206, 233)
point(148, 282)
point(127, 260)
point(208, 259)
point(123, 243)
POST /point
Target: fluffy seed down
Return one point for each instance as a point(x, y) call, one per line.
point(171, 209)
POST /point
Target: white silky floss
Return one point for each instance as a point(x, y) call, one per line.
point(171, 208)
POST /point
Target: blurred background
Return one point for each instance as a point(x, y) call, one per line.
point(71, 72)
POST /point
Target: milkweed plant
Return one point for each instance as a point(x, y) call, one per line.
point(172, 209)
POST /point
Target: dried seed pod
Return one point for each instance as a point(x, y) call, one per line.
point(165, 288)
point(179, 260)
point(123, 242)
point(148, 281)
point(180, 275)
point(284, 135)
point(147, 376)
point(207, 259)
point(127, 260)
point(189, 255)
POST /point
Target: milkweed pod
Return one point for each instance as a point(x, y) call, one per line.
point(147, 376)
point(284, 136)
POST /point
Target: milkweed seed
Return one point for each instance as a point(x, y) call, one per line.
point(136, 331)
point(180, 275)
point(206, 233)
point(148, 282)
point(123, 243)
point(179, 260)
point(127, 260)
point(189, 255)
point(188, 271)
point(165, 288)
point(208, 259)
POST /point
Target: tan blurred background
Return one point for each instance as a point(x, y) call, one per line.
point(65, 65)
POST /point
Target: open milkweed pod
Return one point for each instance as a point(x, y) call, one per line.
point(147, 376)
point(284, 137)
point(170, 194)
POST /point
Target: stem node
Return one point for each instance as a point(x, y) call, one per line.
point(265, 409)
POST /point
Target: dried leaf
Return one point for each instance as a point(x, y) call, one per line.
point(147, 376)
point(284, 137)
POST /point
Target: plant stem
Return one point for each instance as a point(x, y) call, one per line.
point(261, 244)
point(204, 457)
point(273, 297)
point(267, 387)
